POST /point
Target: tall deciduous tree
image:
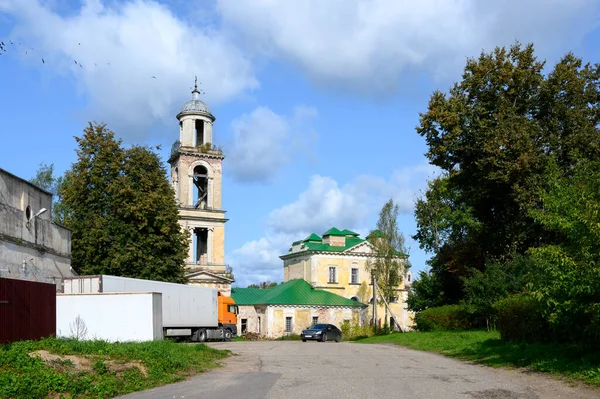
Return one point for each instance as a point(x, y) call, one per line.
point(122, 211)
point(390, 259)
point(494, 135)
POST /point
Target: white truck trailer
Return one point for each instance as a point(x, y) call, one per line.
point(198, 313)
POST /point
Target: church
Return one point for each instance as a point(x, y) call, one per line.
point(197, 179)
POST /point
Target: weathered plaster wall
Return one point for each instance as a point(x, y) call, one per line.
point(31, 248)
point(302, 317)
point(218, 245)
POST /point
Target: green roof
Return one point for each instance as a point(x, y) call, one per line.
point(333, 232)
point(312, 237)
point(293, 292)
point(349, 233)
point(319, 246)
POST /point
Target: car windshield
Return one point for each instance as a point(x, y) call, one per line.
point(318, 326)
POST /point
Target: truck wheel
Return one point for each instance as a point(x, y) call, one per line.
point(202, 335)
point(228, 334)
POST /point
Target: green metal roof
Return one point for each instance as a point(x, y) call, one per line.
point(319, 246)
point(293, 292)
point(349, 233)
point(333, 232)
point(312, 237)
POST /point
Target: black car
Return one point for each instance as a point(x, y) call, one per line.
point(322, 332)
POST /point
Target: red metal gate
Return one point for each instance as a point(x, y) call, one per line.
point(27, 310)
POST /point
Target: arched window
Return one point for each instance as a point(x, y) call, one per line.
point(200, 178)
point(354, 298)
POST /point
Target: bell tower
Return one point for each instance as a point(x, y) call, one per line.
point(196, 178)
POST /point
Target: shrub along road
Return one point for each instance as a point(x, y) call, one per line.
point(292, 369)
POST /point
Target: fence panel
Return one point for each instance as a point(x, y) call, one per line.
point(27, 310)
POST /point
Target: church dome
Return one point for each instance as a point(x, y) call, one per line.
point(195, 106)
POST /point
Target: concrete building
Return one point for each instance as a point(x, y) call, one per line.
point(32, 246)
point(196, 177)
point(291, 307)
point(338, 262)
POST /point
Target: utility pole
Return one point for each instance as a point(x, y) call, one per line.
point(374, 301)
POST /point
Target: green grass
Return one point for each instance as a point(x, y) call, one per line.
point(22, 376)
point(485, 347)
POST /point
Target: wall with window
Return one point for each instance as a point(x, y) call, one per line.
point(285, 320)
point(32, 246)
point(349, 276)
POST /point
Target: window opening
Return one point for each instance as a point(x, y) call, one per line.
point(354, 277)
point(244, 326)
point(199, 125)
point(315, 319)
point(332, 274)
point(201, 182)
point(201, 246)
point(288, 324)
point(259, 325)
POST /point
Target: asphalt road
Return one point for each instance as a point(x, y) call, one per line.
point(292, 369)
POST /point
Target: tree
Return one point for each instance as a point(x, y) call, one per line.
point(568, 276)
point(390, 263)
point(425, 292)
point(263, 285)
point(44, 178)
point(122, 211)
point(494, 135)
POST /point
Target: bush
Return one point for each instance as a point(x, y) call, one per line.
point(351, 331)
point(520, 319)
point(448, 317)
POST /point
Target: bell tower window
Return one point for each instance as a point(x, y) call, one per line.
point(201, 246)
point(199, 124)
point(201, 182)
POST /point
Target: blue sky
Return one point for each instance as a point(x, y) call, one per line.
point(316, 102)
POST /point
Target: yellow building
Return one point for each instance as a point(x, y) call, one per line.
point(291, 307)
point(196, 178)
point(338, 262)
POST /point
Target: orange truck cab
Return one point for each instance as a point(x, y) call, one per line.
point(228, 312)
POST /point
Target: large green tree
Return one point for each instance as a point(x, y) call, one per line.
point(494, 135)
point(122, 211)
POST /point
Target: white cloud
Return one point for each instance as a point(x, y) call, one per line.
point(258, 260)
point(265, 141)
point(324, 204)
point(368, 44)
point(321, 206)
point(139, 39)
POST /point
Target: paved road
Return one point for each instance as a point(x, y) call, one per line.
point(292, 369)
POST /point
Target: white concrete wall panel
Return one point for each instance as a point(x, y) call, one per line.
point(111, 317)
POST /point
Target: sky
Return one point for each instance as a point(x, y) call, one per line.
point(316, 101)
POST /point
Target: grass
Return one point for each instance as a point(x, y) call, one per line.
point(485, 347)
point(164, 362)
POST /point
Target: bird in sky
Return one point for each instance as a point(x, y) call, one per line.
point(43, 62)
point(153, 77)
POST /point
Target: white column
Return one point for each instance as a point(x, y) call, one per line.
point(209, 199)
point(209, 252)
point(191, 247)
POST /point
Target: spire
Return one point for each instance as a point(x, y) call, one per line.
point(195, 92)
